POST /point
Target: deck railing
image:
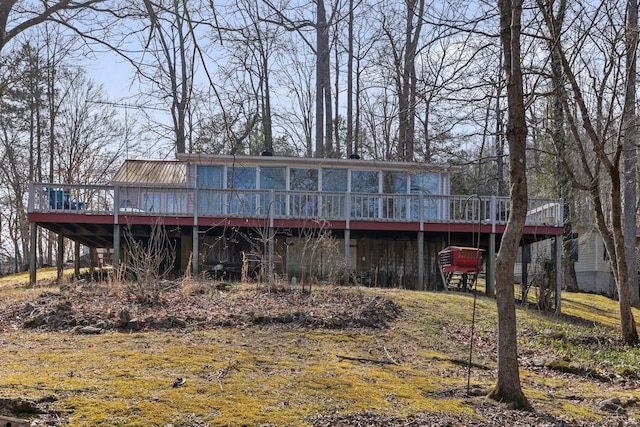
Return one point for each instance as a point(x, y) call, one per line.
point(281, 204)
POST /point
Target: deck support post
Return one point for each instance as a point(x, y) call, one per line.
point(116, 247)
point(491, 266)
point(33, 240)
point(76, 259)
point(195, 251)
point(421, 260)
point(270, 248)
point(558, 247)
point(60, 255)
point(525, 273)
point(347, 255)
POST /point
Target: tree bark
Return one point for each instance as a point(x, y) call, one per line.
point(508, 388)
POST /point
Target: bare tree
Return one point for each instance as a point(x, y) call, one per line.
point(148, 260)
point(599, 149)
point(17, 16)
point(89, 133)
point(508, 388)
point(630, 153)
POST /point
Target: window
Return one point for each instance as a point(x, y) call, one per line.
point(243, 204)
point(575, 247)
point(334, 180)
point(394, 182)
point(176, 203)
point(364, 206)
point(304, 205)
point(273, 178)
point(425, 184)
point(364, 181)
point(151, 202)
point(304, 179)
point(394, 207)
point(209, 176)
point(242, 178)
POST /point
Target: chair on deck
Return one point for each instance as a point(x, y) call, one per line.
point(59, 199)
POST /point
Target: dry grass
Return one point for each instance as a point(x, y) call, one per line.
point(253, 376)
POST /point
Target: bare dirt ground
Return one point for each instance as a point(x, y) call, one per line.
point(93, 308)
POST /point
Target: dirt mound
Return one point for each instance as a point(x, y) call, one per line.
point(88, 308)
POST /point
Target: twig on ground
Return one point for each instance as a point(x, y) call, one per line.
point(389, 356)
point(223, 372)
point(366, 359)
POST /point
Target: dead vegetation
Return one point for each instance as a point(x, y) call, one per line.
point(209, 353)
point(87, 307)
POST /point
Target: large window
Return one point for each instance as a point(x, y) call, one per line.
point(394, 183)
point(334, 180)
point(151, 202)
point(364, 206)
point(242, 178)
point(427, 185)
point(210, 176)
point(242, 203)
point(176, 203)
point(273, 178)
point(304, 180)
point(364, 181)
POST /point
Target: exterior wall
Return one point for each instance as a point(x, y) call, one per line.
point(593, 269)
point(591, 255)
point(598, 282)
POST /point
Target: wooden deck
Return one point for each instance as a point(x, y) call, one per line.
point(88, 213)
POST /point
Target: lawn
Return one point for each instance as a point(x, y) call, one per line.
point(291, 359)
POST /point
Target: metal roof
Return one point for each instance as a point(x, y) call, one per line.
point(159, 172)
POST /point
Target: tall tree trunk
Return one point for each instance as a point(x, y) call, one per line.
point(508, 388)
point(559, 141)
point(349, 137)
point(324, 146)
point(266, 106)
point(499, 138)
point(630, 139)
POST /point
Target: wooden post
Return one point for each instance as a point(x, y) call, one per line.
point(347, 256)
point(76, 259)
point(60, 256)
point(421, 261)
point(33, 237)
point(491, 266)
point(558, 243)
point(116, 247)
point(195, 251)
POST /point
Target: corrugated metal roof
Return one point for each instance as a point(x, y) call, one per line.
point(160, 172)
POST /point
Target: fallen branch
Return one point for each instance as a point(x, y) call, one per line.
point(389, 356)
point(365, 359)
point(223, 372)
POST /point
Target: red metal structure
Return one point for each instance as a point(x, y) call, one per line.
point(461, 265)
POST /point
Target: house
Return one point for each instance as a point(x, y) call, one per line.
point(591, 261)
point(381, 223)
